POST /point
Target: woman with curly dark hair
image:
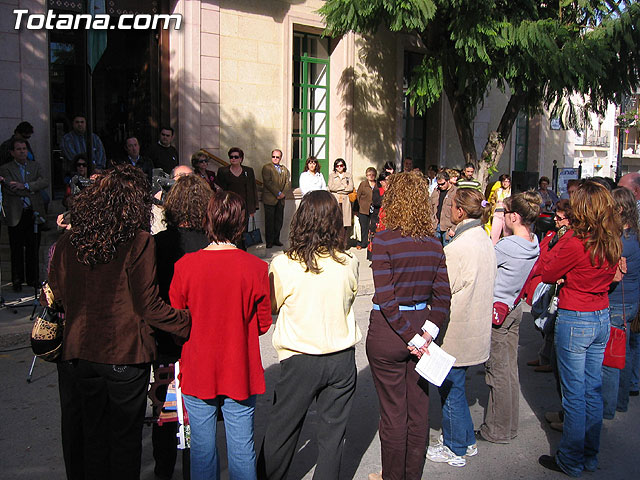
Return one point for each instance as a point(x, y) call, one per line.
point(313, 287)
point(409, 272)
point(103, 273)
point(185, 210)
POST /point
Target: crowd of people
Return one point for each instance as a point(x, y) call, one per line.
point(133, 301)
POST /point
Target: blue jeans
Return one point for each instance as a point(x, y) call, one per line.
point(615, 382)
point(581, 338)
point(238, 424)
point(443, 236)
point(634, 345)
point(457, 426)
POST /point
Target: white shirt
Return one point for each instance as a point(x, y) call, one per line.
point(312, 181)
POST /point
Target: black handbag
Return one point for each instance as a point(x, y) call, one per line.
point(253, 236)
point(48, 328)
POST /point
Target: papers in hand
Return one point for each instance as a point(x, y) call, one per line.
point(435, 367)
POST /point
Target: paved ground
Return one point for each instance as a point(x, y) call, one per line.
point(30, 440)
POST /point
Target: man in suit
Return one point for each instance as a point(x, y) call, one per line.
point(276, 181)
point(23, 209)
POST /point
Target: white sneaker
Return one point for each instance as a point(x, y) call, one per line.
point(472, 450)
point(442, 454)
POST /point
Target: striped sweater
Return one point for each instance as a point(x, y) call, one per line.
point(408, 271)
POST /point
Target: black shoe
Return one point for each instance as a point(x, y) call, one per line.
point(549, 462)
point(278, 244)
point(269, 245)
point(634, 393)
point(17, 287)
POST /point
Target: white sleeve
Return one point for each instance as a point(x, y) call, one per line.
point(305, 183)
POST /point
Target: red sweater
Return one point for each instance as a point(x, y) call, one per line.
point(227, 293)
point(586, 287)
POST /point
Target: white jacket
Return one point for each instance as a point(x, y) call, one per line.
point(471, 265)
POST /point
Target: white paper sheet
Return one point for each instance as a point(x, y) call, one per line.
point(435, 367)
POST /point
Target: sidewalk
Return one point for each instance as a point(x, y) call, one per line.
point(31, 438)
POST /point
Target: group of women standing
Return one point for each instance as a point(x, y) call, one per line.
point(103, 271)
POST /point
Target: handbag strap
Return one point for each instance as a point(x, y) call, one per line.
point(624, 315)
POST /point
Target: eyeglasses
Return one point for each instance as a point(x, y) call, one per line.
point(312, 161)
point(203, 160)
point(559, 218)
point(441, 184)
point(234, 156)
point(340, 165)
point(275, 156)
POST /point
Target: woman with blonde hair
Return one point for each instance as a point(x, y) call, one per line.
point(515, 255)
point(409, 272)
point(468, 334)
point(586, 257)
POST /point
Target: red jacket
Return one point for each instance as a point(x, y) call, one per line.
point(227, 293)
point(586, 286)
point(535, 277)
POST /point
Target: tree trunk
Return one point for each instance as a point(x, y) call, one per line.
point(494, 148)
point(464, 128)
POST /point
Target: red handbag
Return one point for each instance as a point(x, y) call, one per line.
point(615, 353)
point(500, 312)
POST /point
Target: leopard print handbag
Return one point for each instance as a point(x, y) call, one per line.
point(48, 328)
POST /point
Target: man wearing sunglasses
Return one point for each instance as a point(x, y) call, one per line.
point(276, 181)
point(441, 204)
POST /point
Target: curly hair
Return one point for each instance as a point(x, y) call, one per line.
point(595, 222)
point(186, 203)
point(316, 230)
point(407, 205)
point(109, 213)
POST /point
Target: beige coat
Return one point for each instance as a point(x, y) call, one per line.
point(471, 265)
point(341, 187)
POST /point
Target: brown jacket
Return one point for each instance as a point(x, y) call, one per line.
point(445, 214)
point(365, 196)
point(110, 308)
point(274, 182)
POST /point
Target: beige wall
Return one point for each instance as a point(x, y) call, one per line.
point(24, 79)
point(376, 102)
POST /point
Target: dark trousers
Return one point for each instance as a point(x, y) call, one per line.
point(404, 400)
point(364, 230)
point(273, 218)
point(102, 416)
point(330, 380)
point(24, 243)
